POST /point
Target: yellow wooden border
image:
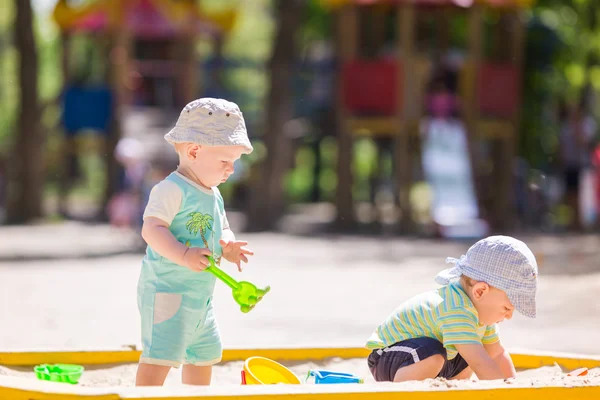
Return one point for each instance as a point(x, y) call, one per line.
point(547, 393)
point(567, 361)
point(85, 357)
point(523, 359)
point(26, 389)
point(132, 355)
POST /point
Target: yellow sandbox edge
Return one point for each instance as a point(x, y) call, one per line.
point(523, 359)
point(22, 388)
point(27, 389)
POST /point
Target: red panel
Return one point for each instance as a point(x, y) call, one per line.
point(499, 90)
point(370, 87)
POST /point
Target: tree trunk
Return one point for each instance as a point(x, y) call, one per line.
point(111, 165)
point(267, 202)
point(26, 169)
point(346, 48)
point(119, 49)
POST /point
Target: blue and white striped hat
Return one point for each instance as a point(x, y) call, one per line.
point(502, 262)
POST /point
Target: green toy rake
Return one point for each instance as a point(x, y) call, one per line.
point(244, 293)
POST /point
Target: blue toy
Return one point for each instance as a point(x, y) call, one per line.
point(329, 377)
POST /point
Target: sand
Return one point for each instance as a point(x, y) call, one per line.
point(229, 374)
point(339, 273)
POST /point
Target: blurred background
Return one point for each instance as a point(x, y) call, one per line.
point(346, 102)
point(388, 135)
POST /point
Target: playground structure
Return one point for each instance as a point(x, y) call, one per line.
point(148, 51)
point(150, 40)
point(381, 91)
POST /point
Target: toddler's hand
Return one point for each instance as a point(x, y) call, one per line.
point(235, 252)
point(196, 259)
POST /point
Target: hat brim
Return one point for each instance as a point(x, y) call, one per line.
point(238, 137)
point(524, 303)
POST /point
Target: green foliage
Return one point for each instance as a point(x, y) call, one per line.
point(8, 80)
point(562, 58)
point(318, 22)
point(49, 70)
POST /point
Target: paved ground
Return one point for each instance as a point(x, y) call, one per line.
point(325, 291)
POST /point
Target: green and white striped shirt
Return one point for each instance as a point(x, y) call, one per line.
point(446, 314)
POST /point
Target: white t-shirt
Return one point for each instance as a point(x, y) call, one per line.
point(165, 200)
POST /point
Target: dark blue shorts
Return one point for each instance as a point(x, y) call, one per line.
point(384, 363)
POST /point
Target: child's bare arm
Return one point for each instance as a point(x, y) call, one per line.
point(480, 361)
point(158, 236)
point(502, 359)
point(234, 251)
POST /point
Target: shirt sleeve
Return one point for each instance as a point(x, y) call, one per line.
point(491, 335)
point(164, 201)
point(458, 326)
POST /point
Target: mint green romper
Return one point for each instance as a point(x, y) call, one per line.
point(175, 303)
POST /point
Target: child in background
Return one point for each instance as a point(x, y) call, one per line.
point(452, 332)
point(441, 102)
point(184, 224)
point(125, 207)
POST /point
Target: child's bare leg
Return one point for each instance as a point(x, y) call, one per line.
point(196, 375)
point(424, 369)
point(466, 373)
point(151, 375)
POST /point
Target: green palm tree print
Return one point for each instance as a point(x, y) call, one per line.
point(201, 223)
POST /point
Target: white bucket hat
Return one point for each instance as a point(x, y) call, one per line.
point(502, 262)
point(211, 122)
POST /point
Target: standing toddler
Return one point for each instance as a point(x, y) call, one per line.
point(184, 224)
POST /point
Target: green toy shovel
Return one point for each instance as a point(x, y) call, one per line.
point(244, 293)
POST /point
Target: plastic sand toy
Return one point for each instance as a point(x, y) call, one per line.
point(244, 293)
point(66, 373)
point(579, 372)
point(329, 377)
point(263, 371)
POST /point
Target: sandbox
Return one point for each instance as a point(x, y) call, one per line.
point(109, 374)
